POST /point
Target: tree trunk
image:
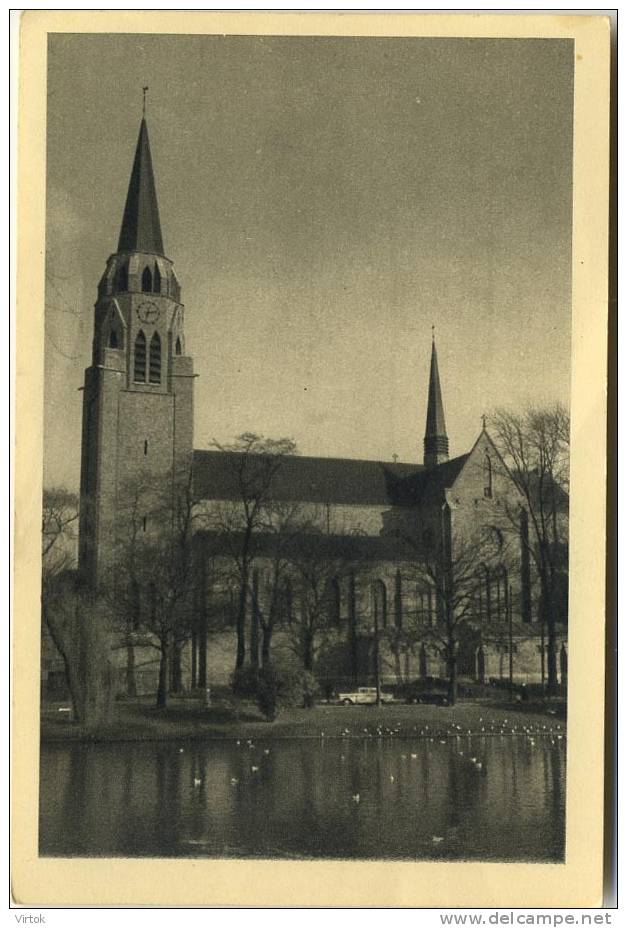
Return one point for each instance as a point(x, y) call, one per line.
point(307, 645)
point(133, 626)
point(549, 615)
point(266, 638)
point(240, 658)
point(177, 670)
point(59, 644)
point(352, 627)
point(452, 680)
point(201, 646)
point(162, 689)
point(254, 622)
point(84, 649)
point(194, 674)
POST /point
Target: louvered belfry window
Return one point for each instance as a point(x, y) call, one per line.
point(155, 359)
point(139, 369)
point(147, 280)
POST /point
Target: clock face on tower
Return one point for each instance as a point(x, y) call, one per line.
point(148, 311)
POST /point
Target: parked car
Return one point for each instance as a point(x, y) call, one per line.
point(430, 691)
point(364, 696)
point(432, 699)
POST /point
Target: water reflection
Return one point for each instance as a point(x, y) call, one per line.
point(462, 798)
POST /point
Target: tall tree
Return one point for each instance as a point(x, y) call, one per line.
point(270, 587)
point(153, 576)
point(534, 446)
point(320, 565)
point(241, 522)
point(448, 565)
point(76, 619)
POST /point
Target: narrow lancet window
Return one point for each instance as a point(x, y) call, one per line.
point(335, 602)
point(147, 280)
point(487, 477)
point(178, 348)
point(379, 604)
point(425, 605)
point(398, 600)
point(139, 368)
point(155, 359)
point(113, 339)
point(156, 286)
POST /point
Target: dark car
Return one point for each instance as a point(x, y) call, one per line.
point(431, 699)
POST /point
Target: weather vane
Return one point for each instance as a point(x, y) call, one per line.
point(432, 333)
point(144, 91)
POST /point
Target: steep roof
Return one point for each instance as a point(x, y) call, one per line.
point(315, 480)
point(430, 482)
point(141, 228)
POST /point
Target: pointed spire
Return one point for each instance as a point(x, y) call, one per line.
point(436, 440)
point(141, 228)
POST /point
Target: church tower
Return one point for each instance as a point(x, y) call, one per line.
point(436, 439)
point(138, 393)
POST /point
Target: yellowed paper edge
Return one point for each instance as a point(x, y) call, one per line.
point(578, 882)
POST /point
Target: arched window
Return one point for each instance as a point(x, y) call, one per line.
point(156, 285)
point(501, 592)
point(287, 603)
point(154, 370)
point(482, 592)
point(139, 367)
point(122, 279)
point(178, 348)
point(147, 280)
point(335, 602)
point(379, 604)
point(488, 594)
point(422, 658)
point(398, 600)
point(425, 604)
point(487, 477)
point(480, 668)
point(113, 339)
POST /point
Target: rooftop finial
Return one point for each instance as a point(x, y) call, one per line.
point(484, 419)
point(433, 333)
point(144, 91)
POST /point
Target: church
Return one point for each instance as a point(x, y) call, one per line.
point(373, 526)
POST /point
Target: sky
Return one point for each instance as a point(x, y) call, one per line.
point(325, 202)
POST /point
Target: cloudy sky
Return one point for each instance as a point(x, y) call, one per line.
point(325, 201)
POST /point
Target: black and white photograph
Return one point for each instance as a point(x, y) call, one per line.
point(305, 557)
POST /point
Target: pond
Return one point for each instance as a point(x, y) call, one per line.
point(456, 798)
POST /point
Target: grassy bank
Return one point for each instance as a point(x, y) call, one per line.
point(186, 719)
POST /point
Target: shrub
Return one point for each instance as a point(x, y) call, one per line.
point(274, 687)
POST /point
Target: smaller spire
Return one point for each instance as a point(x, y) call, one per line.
point(436, 439)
